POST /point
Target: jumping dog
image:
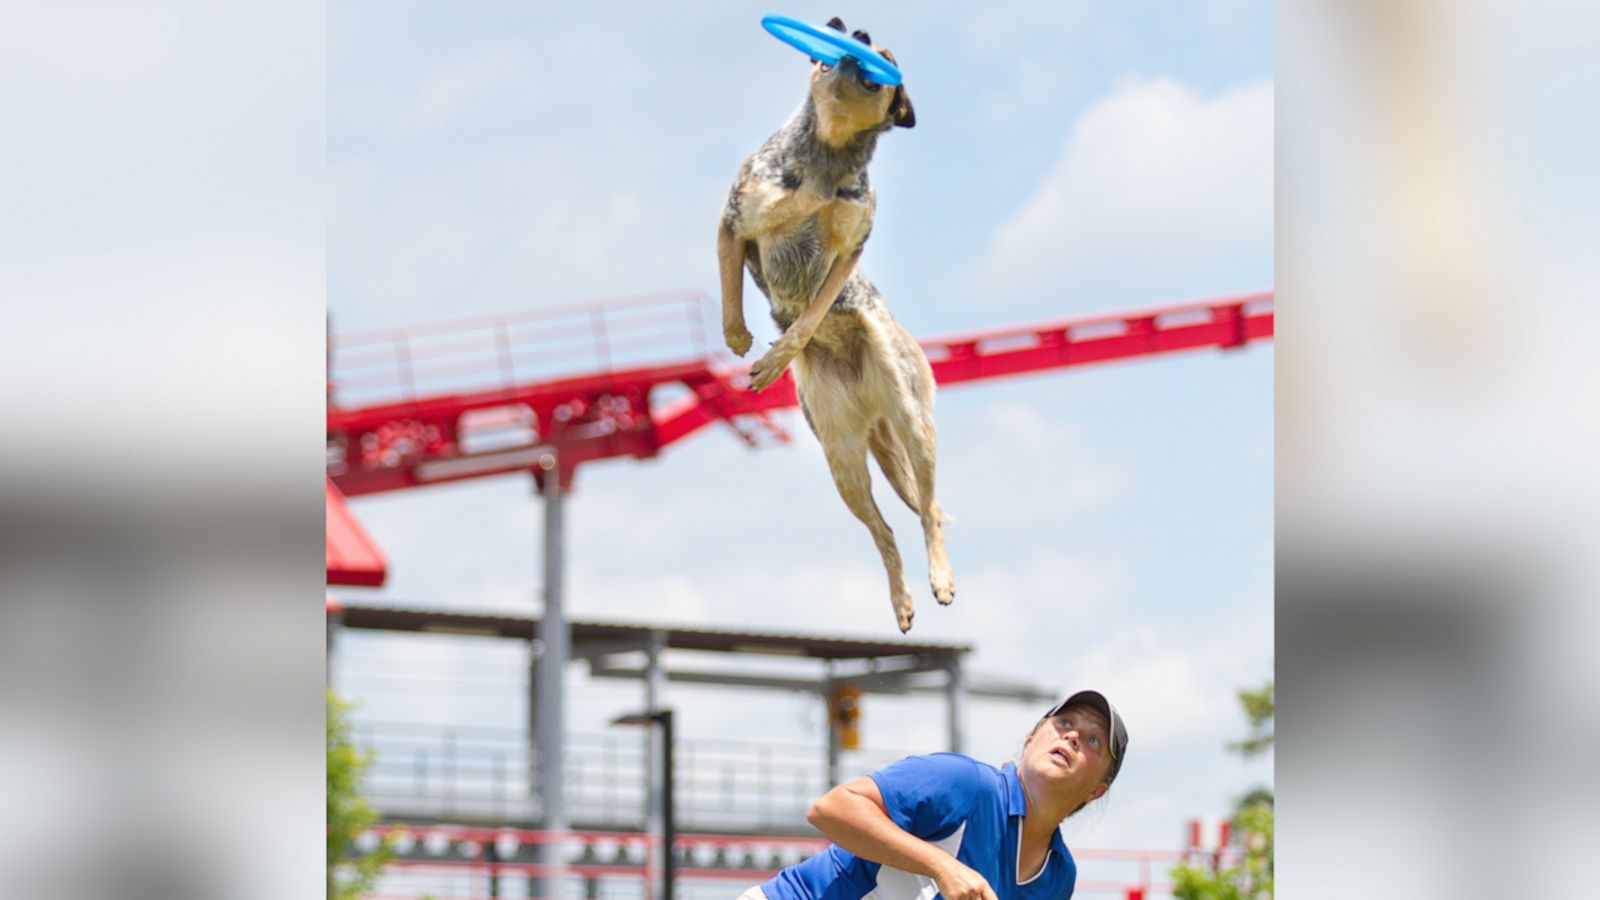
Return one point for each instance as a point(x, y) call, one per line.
point(797, 217)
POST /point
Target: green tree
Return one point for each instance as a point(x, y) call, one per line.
point(350, 874)
point(1258, 708)
point(1251, 876)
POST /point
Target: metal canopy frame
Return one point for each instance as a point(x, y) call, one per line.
point(871, 665)
point(875, 666)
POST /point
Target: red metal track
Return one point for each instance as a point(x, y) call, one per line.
point(462, 852)
point(471, 399)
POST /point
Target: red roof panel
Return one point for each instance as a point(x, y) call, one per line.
point(353, 557)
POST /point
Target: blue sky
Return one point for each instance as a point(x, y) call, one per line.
point(1114, 525)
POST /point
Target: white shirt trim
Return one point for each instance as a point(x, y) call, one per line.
point(898, 884)
point(1044, 864)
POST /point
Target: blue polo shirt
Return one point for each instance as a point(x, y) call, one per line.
point(970, 809)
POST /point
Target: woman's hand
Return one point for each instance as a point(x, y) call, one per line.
point(958, 882)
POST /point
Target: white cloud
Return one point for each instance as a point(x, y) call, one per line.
point(1225, 20)
point(1155, 183)
point(673, 600)
point(1009, 610)
point(499, 224)
point(1165, 688)
point(1054, 471)
point(448, 90)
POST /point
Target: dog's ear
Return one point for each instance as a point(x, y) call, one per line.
point(862, 36)
point(836, 23)
point(900, 111)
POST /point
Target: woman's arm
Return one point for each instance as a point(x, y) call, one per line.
point(853, 815)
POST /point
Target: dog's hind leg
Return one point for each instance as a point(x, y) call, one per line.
point(911, 421)
point(892, 460)
point(847, 460)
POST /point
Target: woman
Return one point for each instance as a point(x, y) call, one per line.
point(949, 823)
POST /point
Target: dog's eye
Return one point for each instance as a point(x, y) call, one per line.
point(869, 84)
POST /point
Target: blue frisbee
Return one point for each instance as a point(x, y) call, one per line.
point(830, 46)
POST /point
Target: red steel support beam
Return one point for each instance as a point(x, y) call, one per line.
point(716, 393)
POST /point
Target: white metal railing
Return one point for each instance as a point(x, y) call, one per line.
point(486, 774)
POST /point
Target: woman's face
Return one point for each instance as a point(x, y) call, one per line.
point(1069, 755)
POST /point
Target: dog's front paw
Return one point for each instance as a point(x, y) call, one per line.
point(767, 369)
point(737, 337)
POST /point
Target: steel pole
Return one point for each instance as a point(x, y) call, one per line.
point(831, 759)
point(669, 815)
point(555, 636)
point(954, 688)
point(656, 742)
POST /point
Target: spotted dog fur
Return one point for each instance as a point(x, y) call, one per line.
point(797, 217)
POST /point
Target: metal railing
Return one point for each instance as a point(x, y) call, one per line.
point(396, 365)
point(486, 774)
